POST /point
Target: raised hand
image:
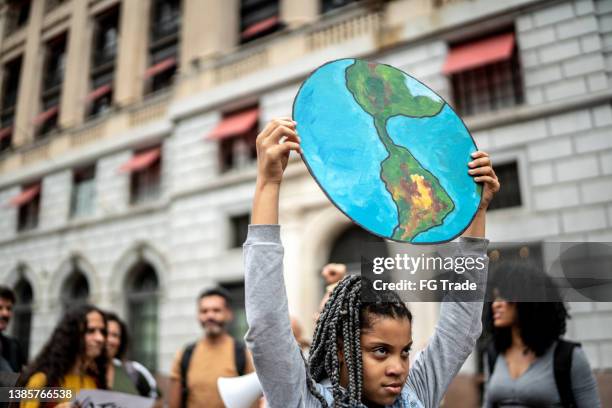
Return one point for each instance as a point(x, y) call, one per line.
point(481, 169)
point(274, 143)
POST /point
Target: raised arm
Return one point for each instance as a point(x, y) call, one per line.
point(460, 322)
point(276, 354)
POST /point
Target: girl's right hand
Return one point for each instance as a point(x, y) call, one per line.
point(272, 155)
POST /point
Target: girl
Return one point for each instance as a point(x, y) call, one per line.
point(360, 352)
point(73, 358)
point(526, 338)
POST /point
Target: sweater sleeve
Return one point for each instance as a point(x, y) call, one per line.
point(584, 386)
point(36, 381)
point(455, 335)
point(278, 363)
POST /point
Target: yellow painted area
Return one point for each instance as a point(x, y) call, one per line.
point(424, 198)
point(397, 193)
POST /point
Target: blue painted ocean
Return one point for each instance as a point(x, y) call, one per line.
point(342, 149)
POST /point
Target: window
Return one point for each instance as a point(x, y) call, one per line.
point(510, 195)
point(485, 74)
point(55, 62)
point(12, 73)
point(328, 5)
point(163, 45)
point(238, 327)
point(258, 18)
point(145, 169)
point(103, 61)
point(83, 192)
point(236, 135)
point(142, 302)
point(22, 313)
point(28, 207)
point(75, 290)
point(240, 228)
point(17, 15)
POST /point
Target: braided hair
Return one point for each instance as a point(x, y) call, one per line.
point(340, 324)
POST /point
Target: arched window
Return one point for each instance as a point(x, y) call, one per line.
point(352, 244)
point(22, 313)
point(75, 290)
point(142, 304)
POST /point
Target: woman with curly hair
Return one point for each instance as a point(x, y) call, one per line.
point(73, 358)
point(527, 321)
point(360, 351)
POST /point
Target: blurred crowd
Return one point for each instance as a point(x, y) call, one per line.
point(526, 355)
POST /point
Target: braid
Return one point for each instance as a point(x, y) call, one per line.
point(340, 324)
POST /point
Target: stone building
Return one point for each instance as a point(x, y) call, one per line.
point(127, 130)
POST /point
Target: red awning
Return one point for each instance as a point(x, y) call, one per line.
point(476, 54)
point(6, 132)
point(160, 67)
point(141, 160)
point(99, 92)
point(260, 26)
point(42, 117)
point(26, 196)
point(236, 124)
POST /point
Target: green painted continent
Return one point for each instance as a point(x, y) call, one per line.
point(421, 200)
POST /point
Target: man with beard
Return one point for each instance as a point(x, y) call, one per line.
point(197, 367)
point(12, 358)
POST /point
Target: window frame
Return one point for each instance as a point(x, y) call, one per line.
point(479, 90)
point(137, 297)
point(79, 177)
point(72, 290)
point(28, 215)
point(146, 184)
point(52, 83)
point(163, 45)
point(248, 17)
point(103, 67)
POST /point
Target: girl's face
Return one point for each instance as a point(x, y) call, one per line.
point(504, 313)
point(385, 349)
point(95, 335)
point(113, 338)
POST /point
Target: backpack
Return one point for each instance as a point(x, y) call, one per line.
point(239, 361)
point(140, 382)
point(562, 366)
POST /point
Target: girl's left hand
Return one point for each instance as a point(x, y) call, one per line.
point(481, 169)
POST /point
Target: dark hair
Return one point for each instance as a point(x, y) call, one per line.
point(343, 318)
point(125, 336)
point(65, 346)
point(7, 293)
point(217, 291)
point(541, 315)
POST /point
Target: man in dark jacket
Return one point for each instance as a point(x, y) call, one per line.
point(12, 358)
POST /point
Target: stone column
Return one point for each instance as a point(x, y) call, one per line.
point(295, 13)
point(3, 17)
point(30, 79)
point(78, 53)
point(209, 28)
point(133, 44)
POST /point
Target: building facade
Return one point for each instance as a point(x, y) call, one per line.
point(127, 145)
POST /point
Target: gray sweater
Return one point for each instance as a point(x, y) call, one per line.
point(276, 354)
point(537, 388)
